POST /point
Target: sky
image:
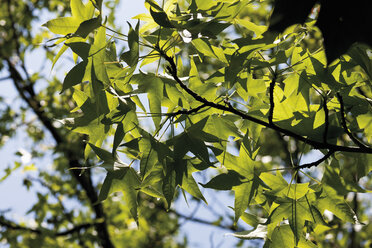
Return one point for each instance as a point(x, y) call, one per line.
point(14, 196)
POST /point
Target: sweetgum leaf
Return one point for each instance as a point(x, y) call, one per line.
point(74, 76)
point(86, 27)
point(161, 18)
point(224, 181)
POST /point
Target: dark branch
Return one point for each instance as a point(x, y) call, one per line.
point(187, 112)
point(344, 125)
point(27, 93)
point(75, 229)
point(5, 78)
point(326, 121)
point(172, 68)
point(271, 94)
point(13, 226)
point(316, 163)
point(16, 227)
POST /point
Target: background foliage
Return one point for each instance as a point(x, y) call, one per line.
point(202, 88)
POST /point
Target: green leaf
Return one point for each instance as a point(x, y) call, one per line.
point(203, 46)
point(153, 4)
point(161, 18)
point(242, 164)
point(222, 127)
point(153, 177)
point(125, 180)
point(131, 57)
point(118, 114)
point(74, 76)
point(279, 186)
point(119, 135)
point(204, 5)
point(80, 10)
point(255, 86)
point(197, 147)
point(207, 90)
point(98, 52)
point(102, 154)
point(235, 66)
point(80, 48)
point(283, 237)
point(258, 30)
point(149, 157)
point(86, 27)
point(250, 139)
point(319, 119)
point(243, 195)
point(109, 185)
point(169, 184)
point(252, 220)
point(335, 180)
point(300, 213)
point(63, 25)
point(189, 184)
point(59, 54)
point(336, 204)
point(212, 29)
point(359, 54)
point(90, 122)
point(154, 87)
point(276, 183)
point(224, 181)
point(260, 232)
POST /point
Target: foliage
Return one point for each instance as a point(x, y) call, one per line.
point(65, 211)
point(228, 96)
point(216, 117)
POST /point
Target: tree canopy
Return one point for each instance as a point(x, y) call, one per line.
point(61, 207)
point(202, 87)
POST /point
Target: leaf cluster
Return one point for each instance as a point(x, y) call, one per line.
point(212, 119)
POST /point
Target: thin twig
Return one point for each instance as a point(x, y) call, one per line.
point(5, 78)
point(187, 112)
point(316, 163)
point(202, 221)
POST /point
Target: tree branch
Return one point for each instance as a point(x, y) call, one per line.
point(172, 68)
point(13, 226)
point(27, 93)
point(5, 78)
point(202, 221)
point(316, 163)
point(271, 94)
point(344, 125)
point(326, 121)
point(187, 112)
